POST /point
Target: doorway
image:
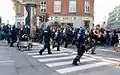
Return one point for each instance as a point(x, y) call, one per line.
point(87, 24)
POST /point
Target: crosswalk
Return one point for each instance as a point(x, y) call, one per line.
point(61, 61)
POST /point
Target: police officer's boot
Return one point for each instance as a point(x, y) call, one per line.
point(76, 60)
point(11, 44)
point(40, 52)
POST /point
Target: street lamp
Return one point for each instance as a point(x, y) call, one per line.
point(30, 18)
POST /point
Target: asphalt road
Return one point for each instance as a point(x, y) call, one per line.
point(14, 62)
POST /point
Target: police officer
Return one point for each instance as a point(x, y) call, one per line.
point(47, 35)
point(25, 33)
point(40, 33)
point(80, 44)
point(6, 30)
point(26, 29)
point(13, 36)
point(57, 39)
point(68, 37)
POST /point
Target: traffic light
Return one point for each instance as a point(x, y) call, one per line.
point(46, 17)
point(41, 18)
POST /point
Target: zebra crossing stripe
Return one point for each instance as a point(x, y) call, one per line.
point(83, 67)
point(61, 54)
point(101, 58)
point(36, 53)
point(31, 51)
point(38, 56)
point(59, 58)
point(34, 50)
point(107, 50)
point(68, 62)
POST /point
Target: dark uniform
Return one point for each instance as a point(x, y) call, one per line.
point(25, 33)
point(6, 30)
point(47, 35)
point(13, 36)
point(80, 44)
point(57, 40)
point(40, 33)
point(68, 37)
point(26, 29)
point(83, 43)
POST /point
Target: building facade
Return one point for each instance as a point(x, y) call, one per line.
point(19, 12)
point(114, 19)
point(75, 13)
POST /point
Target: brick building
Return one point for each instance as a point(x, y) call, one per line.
point(75, 13)
point(19, 12)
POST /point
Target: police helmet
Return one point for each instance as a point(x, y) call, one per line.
point(82, 30)
point(13, 27)
point(26, 26)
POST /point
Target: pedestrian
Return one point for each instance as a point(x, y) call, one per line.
point(47, 35)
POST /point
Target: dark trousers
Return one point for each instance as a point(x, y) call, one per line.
point(80, 51)
point(46, 45)
point(58, 47)
point(56, 44)
point(11, 43)
point(8, 38)
point(66, 43)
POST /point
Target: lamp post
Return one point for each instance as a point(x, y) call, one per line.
point(30, 18)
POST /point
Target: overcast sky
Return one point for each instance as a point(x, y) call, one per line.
point(102, 8)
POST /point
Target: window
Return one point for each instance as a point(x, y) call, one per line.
point(43, 6)
point(57, 6)
point(72, 6)
point(87, 6)
point(43, 10)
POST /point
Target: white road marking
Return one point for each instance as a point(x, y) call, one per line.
point(7, 61)
point(65, 51)
point(58, 58)
point(31, 51)
point(107, 50)
point(68, 62)
point(38, 56)
point(61, 54)
point(83, 67)
point(36, 53)
point(54, 59)
point(101, 58)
